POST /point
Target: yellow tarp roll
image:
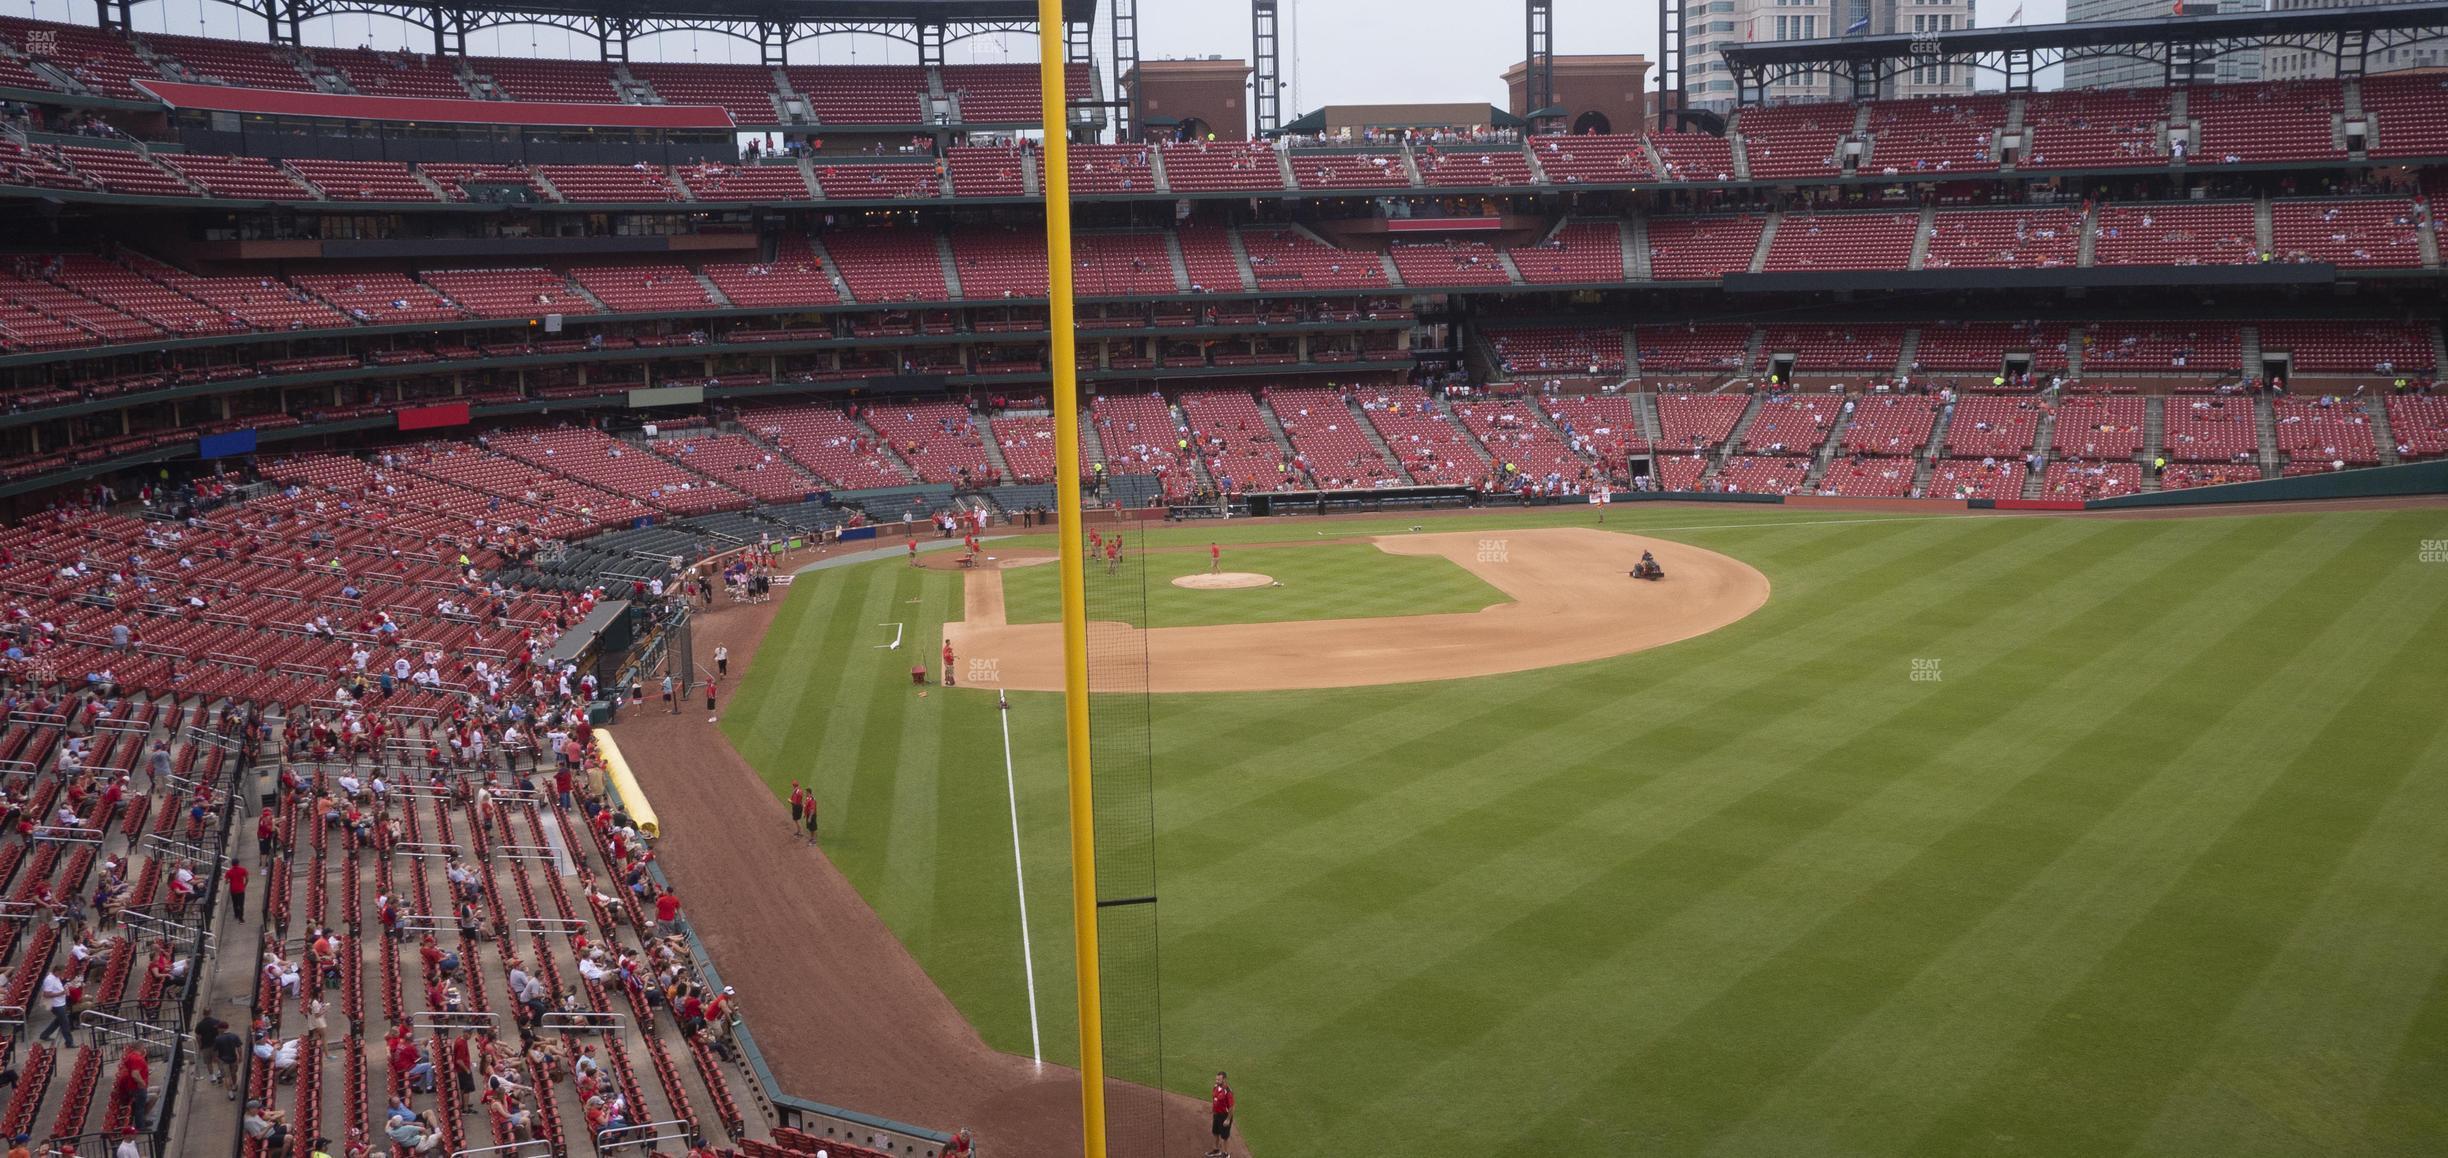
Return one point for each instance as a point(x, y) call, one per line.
point(625, 788)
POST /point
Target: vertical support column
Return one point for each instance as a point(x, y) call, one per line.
point(1079, 47)
point(1672, 95)
point(1864, 74)
point(931, 45)
point(1073, 581)
point(1266, 62)
point(1127, 115)
point(773, 43)
point(612, 38)
point(2021, 75)
point(1538, 55)
point(2353, 53)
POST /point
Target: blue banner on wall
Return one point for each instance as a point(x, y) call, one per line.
point(230, 445)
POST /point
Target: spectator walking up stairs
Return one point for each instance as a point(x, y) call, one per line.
point(2154, 437)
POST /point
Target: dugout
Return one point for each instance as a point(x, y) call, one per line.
point(1348, 502)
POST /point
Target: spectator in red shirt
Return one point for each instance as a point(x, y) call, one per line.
point(237, 877)
point(1220, 1107)
point(667, 914)
point(133, 1088)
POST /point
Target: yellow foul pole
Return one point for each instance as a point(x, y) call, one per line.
point(1057, 187)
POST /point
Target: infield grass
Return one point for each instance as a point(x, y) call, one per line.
point(1328, 581)
point(2149, 861)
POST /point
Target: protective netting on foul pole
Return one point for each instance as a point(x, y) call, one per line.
point(1119, 720)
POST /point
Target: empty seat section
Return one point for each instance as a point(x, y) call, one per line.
point(2216, 429)
point(2395, 349)
point(1203, 166)
point(1613, 159)
point(1702, 248)
point(2217, 233)
point(1003, 262)
point(1426, 441)
point(1693, 156)
point(1552, 350)
point(830, 444)
point(1026, 443)
point(939, 439)
point(1773, 475)
point(1319, 169)
point(252, 178)
point(1977, 478)
point(230, 62)
point(1329, 441)
point(987, 171)
point(2099, 427)
point(364, 180)
point(382, 72)
point(1794, 140)
point(644, 288)
point(1955, 134)
point(1981, 347)
point(1114, 264)
point(1006, 93)
point(2161, 347)
point(878, 180)
point(1581, 252)
point(2035, 238)
point(1207, 256)
point(1238, 450)
point(862, 94)
point(1890, 424)
point(743, 465)
point(538, 79)
point(1869, 476)
point(2291, 120)
point(2090, 480)
point(1109, 168)
point(1712, 349)
point(717, 181)
point(745, 90)
point(262, 303)
point(1474, 167)
point(1792, 424)
point(2094, 129)
point(1987, 425)
point(888, 265)
point(508, 293)
point(136, 295)
point(618, 468)
point(639, 182)
point(2383, 233)
point(2327, 429)
point(1698, 421)
point(1141, 436)
point(125, 171)
point(453, 176)
point(101, 61)
point(1863, 349)
point(1289, 259)
point(795, 277)
point(1448, 263)
point(1843, 241)
point(2408, 114)
point(2420, 424)
point(1515, 435)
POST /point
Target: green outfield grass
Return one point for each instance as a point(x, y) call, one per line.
point(1327, 581)
point(2153, 865)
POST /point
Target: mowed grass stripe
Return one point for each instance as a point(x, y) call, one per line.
point(1713, 895)
point(1899, 1067)
point(1470, 749)
point(1940, 869)
point(2303, 1061)
point(1514, 961)
point(2137, 1028)
point(1561, 923)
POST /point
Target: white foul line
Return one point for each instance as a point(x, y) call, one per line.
point(895, 645)
point(1028, 961)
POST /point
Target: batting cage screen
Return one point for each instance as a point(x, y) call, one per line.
point(1119, 740)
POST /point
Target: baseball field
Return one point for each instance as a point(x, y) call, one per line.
point(1907, 835)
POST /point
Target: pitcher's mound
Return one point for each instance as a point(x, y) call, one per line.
point(1224, 581)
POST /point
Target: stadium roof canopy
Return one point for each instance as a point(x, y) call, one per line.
point(2347, 36)
point(803, 12)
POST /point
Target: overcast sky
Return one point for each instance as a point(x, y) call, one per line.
point(1336, 51)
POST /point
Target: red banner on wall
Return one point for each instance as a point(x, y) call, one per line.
point(429, 417)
